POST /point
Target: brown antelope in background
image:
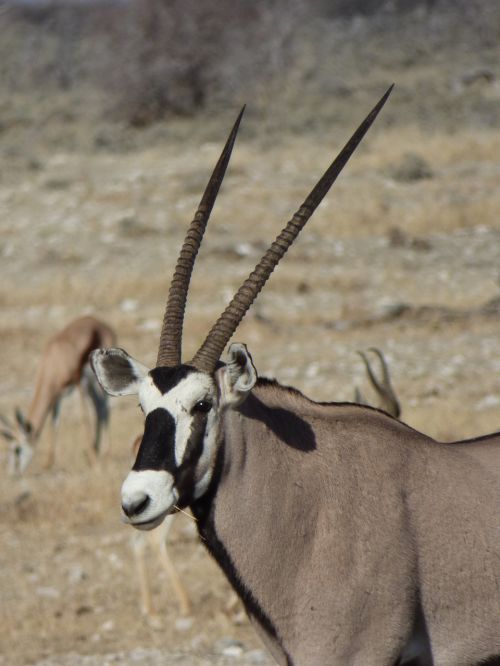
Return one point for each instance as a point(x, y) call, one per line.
point(64, 365)
point(351, 538)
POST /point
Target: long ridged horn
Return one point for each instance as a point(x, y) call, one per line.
point(170, 347)
point(209, 353)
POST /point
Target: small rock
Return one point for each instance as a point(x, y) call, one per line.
point(149, 325)
point(83, 610)
point(244, 249)
point(481, 74)
point(411, 168)
point(129, 305)
point(183, 623)
point(312, 370)
point(115, 561)
point(76, 575)
point(48, 592)
point(109, 625)
point(229, 647)
point(488, 401)
point(233, 651)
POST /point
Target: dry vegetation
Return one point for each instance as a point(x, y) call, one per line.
point(404, 255)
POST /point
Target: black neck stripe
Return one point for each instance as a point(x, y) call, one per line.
point(203, 510)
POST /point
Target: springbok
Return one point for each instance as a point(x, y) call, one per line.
point(387, 398)
point(351, 538)
point(63, 366)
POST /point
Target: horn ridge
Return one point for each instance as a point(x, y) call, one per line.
point(170, 346)
point(221, 332)
point(209, 353)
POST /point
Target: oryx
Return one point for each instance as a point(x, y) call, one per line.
point(386, 399)
point(351, 538)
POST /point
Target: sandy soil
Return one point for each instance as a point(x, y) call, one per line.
point(396, 257)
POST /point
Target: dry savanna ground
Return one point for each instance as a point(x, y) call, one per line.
point(404, 255)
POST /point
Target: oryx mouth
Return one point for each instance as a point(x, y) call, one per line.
point(147, 497)
point(146, 524)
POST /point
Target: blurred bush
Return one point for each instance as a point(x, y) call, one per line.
point(151, 58)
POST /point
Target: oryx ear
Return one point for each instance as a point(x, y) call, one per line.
point(237, 378)
point(117, 372)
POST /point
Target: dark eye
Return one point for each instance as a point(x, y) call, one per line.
point(202, 407)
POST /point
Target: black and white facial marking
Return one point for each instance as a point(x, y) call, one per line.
point(173, 464)
point(174, 461)
point(181, 405)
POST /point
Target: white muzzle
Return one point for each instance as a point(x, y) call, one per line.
point(147, 497)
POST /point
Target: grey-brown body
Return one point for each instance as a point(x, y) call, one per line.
point(372, 519)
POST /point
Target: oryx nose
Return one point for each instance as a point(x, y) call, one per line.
point(133, 506)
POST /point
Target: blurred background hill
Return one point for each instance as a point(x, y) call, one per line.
point(302, 64)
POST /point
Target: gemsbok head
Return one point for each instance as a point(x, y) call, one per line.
point(351, 538)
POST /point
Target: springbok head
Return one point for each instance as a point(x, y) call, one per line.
point(183, 402)
point(19, 439)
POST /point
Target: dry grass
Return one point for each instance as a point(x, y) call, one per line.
point(92, 214)
point(99, 231)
